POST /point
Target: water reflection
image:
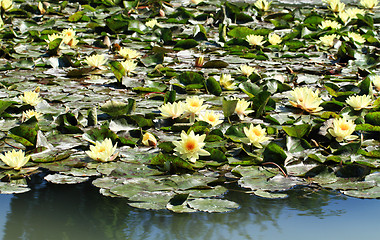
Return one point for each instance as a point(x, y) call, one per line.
point(79, 212)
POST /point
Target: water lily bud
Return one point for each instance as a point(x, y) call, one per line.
point(107, 41)
point(199, 61)
point(149, 140)
point(41, 8)
point(162, 13)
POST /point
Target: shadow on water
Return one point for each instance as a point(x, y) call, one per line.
point(80, 212)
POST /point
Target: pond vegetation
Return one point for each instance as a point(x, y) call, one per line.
point(167, 103)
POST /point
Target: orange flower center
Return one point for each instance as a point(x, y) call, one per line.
point(102, 149)
point(344, 126)
point(256, 132)
point(194, 104)
point(190, 145)
point(211, 118)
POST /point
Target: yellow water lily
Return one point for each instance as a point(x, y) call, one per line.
point(6, 5)
point(345, 17)
point(256, 135)
point(31, 113)
point(15, 159)
point(172, 110)
point(336, 5)
point(151, 23)
point(353, 12)
point(330, 24)
point(31, 97)
point(274, 39)
point(359, 102)
point(246, 70)
point(263, 5)
point(342, 129)
point(356, 37)
point(149, 139)
point(128, 53)
point(102, 151)
point(95, 60)
point(196, 1)
point(211, 118)
point(306, 99)
point(255, 40)
point(193, 106)
point(129, 66)
point(69, 37)
point(328, 40)
point(241, 108)
point(369, 3)
point(226, 82)
point(376, 81)
point(191, 146)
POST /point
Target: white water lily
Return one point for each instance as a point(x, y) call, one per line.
point(15, 159)
point(328, 40)
point(191, 146)
point(330, 24)
point(306, 99)
point(369, 3)
point(256, 135)
point(128, 53)
point(359, 102)
point(172, 110)
point(96, 61)
point(263, 5)
point(211, 118)
point(342, 129)
point(356, 37)
point(149, 139)
point(274, 39)
point(255, 40)
point(246, 70)
point(129, 66)
point(31, 97)
point(102, 151)
point(193, 106)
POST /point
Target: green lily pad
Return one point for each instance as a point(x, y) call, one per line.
point(11, 188)
point(65, 179)
point(213, 205)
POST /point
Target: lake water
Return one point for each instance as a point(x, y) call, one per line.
point(80, 212)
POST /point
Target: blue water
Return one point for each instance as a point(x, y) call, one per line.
point(80, 212)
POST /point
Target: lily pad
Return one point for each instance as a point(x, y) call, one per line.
point(213, 205)
point(65, 179)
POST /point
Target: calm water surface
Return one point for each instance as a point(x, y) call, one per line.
point(80, 212)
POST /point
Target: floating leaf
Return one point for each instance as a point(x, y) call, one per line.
point(64, 179)
point(213, 86)
point(213, 205)
point(186, 44)
point(297, 131)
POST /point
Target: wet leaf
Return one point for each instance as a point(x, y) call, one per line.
point(213, 205)
point(64, 179)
